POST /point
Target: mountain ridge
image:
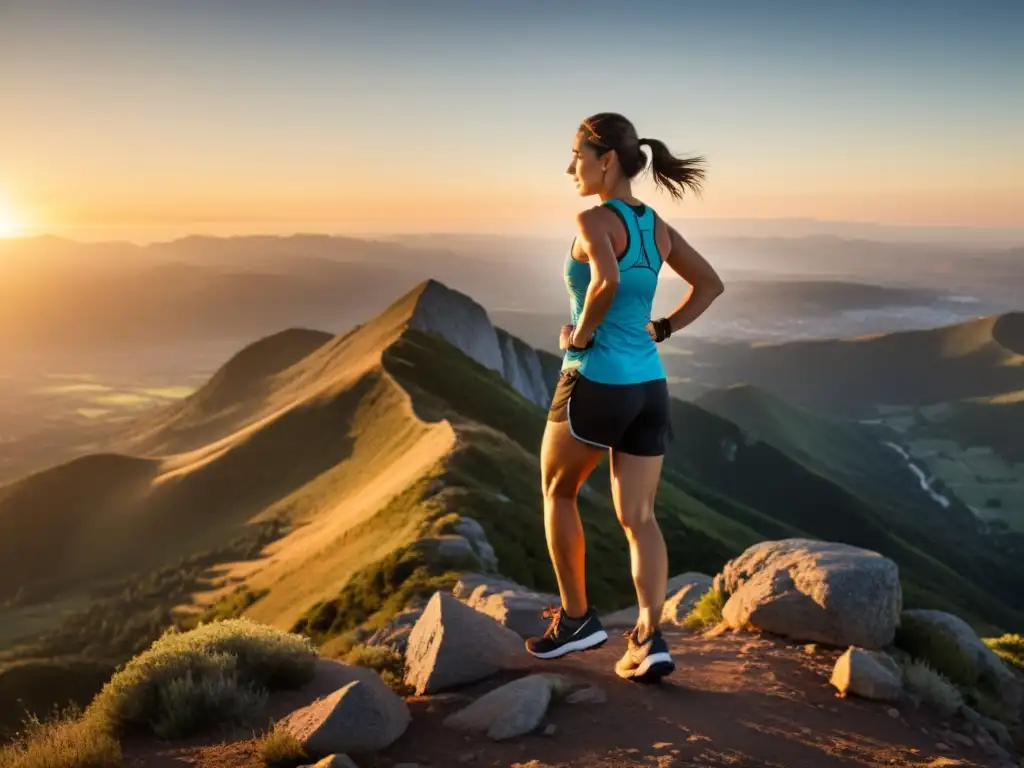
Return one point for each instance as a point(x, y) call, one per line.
point(319, 482)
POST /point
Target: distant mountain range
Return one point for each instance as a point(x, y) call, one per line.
point(62, 298)
point(983, 358)
point(318, 480)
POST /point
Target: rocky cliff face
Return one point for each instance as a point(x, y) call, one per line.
point(464, 324)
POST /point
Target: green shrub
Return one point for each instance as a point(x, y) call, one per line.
point(279, 749)
point(1010, 649)
point(374, 594)
point(215, 674)
point(707, 612)
point(388, 663)
point(63, 742)
point(925, 642)
point(934, 689)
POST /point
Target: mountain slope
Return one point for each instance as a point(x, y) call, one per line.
point(318, 483)
point(873, 500)
point(848, 453)
point(850, 377)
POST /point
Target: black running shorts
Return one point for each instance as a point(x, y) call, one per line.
point(632, 418)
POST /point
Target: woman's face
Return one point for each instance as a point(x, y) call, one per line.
point(587, 169)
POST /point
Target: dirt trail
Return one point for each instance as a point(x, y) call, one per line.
point(734, 701)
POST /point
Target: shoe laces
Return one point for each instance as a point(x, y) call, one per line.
point(554, 613)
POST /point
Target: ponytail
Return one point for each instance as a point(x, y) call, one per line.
point(674, 173)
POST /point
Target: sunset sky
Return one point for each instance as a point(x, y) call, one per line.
point(151, 119)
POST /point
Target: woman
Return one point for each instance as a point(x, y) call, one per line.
point(612, 395)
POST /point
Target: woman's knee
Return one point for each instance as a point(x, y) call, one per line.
point(634, 517)
point(557, 484)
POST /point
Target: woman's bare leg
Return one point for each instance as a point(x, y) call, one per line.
point(565, 464)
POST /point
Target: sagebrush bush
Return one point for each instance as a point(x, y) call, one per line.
point(62, 742)
point(707, 612)
point(279, 749)
point(217, 673)
point(935, 689)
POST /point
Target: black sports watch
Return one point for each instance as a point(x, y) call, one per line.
point(662, 329)
point(574, 348)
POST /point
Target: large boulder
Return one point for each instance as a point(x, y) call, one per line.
point(512, 605)
point(817, 591)
point(453, 644)
point(949, 644)
point(868, 674)
point(363, 716)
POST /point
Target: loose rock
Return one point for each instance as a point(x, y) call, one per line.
point(589, 695)
point(359, 717)
point(869, 675)
point(512, 710)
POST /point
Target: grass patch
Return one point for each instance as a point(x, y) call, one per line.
point(1010, 648)
point(32, 688)
point(935, 689)
point(216, 674)
point(376, 593)
point(923, 641)
point(279, 749)
point(388, 663)
point(707, 612)
point(65, 741)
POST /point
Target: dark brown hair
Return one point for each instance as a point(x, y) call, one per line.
point(609, 130)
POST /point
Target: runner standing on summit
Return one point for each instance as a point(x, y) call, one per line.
point(612, 393)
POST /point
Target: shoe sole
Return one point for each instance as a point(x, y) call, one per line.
point(589, 643)
point(650, 670)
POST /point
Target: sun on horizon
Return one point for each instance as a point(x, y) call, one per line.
point(12, 224)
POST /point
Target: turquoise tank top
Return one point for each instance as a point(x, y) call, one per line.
point(623, 351)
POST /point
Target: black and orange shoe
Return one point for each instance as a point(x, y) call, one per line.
point(567, 635)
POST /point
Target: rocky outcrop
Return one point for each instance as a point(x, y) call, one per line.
point(474, 533)
point(510, 604)
point(529, 371)
point(814, 591)
point(452, 644)
point(924, 631)
point(362, 715)
point(395, 634)
point(868, 674)
point(464, 324)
